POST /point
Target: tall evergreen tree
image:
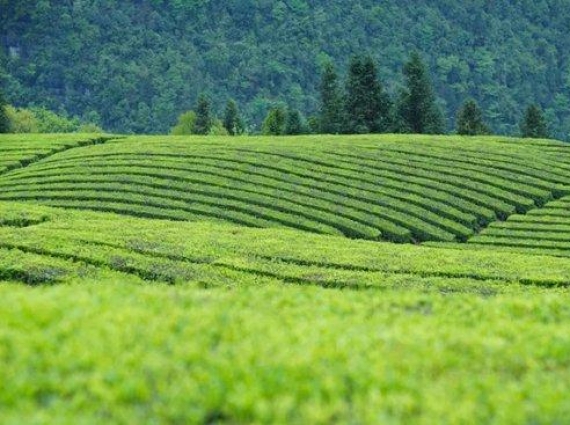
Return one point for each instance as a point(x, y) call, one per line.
point(470, 119)
point(204, 121)
point(367, 107)
point(534, 123)
point(274, 123)
point(232, 121)
point(294, 122)
point(331, 107)
point(417, 108)
point(4, 120)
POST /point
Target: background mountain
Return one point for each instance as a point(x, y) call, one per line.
point(134, 66)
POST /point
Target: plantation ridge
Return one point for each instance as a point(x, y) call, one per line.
point(396, 187)
point(310, 279)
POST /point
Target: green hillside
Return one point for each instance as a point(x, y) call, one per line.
point(396, 188)
point(135, 66)
point(255, 280)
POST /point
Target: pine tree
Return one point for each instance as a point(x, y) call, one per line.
point(274, 123)
point(470, 120)
point(4, 120)
point(232, 121)
point(367, 107)
point(204, 119)
point(417, 108)
point(294, 122)
point(331, 102)
point(534, 125)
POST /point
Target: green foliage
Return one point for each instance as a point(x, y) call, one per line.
point(294, 124)
point(204, 120)
point(40, 120)
point(450, 333)
point(89, 128)
point(534, 123)
point(4, 119)
point(331, 102)
point(185, 125)
point(22, 120)
point(417, 109)
point(442, 350)
point(226, 284)
point(232, 121)
point(470, 120)
point(391, 187)
point(49, 122)
point(217, 128)
point(367, 107)
point(274, 123)
point(314, 125)
point(501, 53)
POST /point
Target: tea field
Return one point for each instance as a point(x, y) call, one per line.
point(317, 279)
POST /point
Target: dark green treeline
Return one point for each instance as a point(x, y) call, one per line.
point(136, 66)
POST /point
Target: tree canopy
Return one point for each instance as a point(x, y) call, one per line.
point(204, 119)
point(417, 108)
point(135, 66)
point(470, 119)
point(367, 107)
point(4, 120)
point(534, 123)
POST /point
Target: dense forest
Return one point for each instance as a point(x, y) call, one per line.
point(135, 66)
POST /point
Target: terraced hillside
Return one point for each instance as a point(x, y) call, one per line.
point(394, 188)
point(221, 254)
point(211, 280)
point(17, 150)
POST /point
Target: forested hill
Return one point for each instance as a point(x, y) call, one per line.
point(134, 66)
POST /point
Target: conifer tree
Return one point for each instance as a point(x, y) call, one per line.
point(331, 102)
point(4, 119)
point(294, 122)
point(274, 123)
point(204, 121)
point(232, 121)
point(367, 107)
point(534, 124)
point(470, 120)
point(417, 108)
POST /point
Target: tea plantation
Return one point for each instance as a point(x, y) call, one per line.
point(317, 279)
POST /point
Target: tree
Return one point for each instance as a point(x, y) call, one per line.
point(417, 108)
point(22, 120)
point(367, 107)
point(217, 128)
point(50, 122)
point(232, 121)
point(534, 124)
point(470, 120)
point(274, 123)
point(294, 122)
point(186, 124)
point(4, 119)
point(204, 120)
point(330, 110)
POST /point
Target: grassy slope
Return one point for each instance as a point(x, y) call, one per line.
point(271, 325)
